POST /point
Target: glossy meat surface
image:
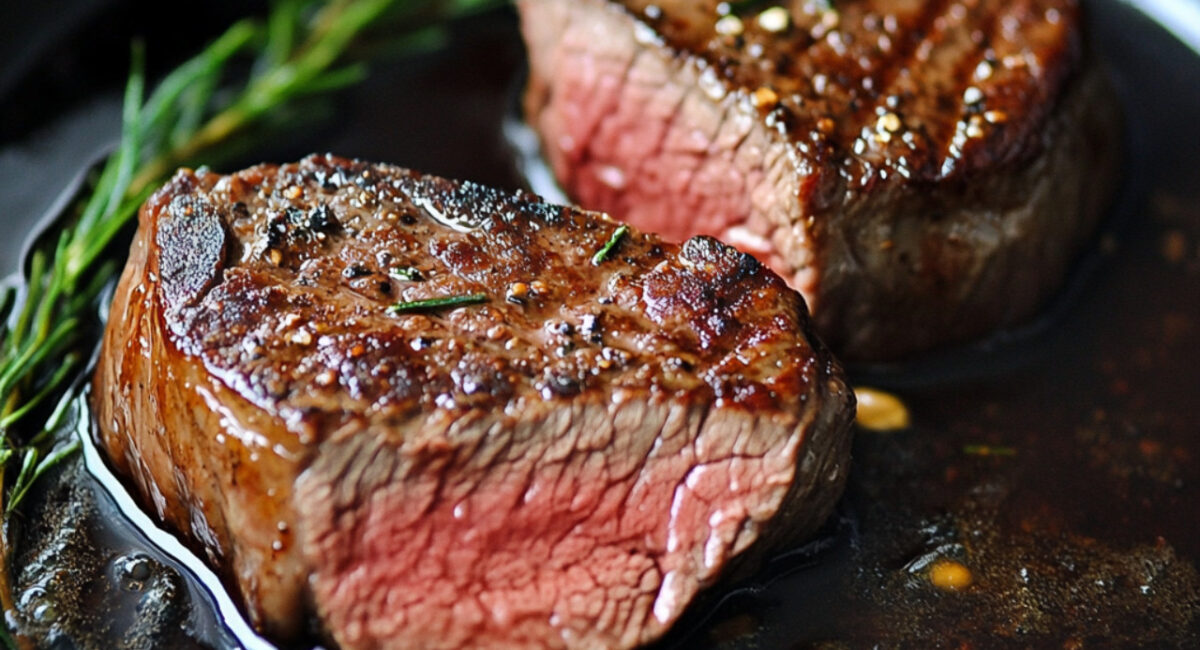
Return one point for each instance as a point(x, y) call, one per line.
point(923, 172)
point(565, 461)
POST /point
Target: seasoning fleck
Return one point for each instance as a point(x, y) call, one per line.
point(764, 97)
point(996, 117)
point(830, 19)
point(730, 26)
point(975, 127)
point(321, 219)
point(983, 71)
point(498, 332)
point(356, 270)
point(288, 321)
point(775, 19)
point(301, 337)
point(518, 291)
point(889, 122)
point(972, 95)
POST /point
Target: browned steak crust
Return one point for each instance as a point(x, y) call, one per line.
point(923, 172)
point(563, 463)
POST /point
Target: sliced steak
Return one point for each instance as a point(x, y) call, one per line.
point(923, 172)
point(565, 460)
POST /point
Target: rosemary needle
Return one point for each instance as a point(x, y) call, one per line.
point(603, 253)
point(434, 304)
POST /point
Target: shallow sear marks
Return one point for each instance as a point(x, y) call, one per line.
point(717, 290)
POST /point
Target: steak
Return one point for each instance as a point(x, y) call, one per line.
point(923, 172)
point(588, 429)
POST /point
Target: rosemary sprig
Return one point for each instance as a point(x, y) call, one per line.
point(301, 50)
point(615, 239)
point(434, 304)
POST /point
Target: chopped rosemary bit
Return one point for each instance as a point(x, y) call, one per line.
point(406, 273)
point(603, 253)
point(988, 450)
point(434, 304)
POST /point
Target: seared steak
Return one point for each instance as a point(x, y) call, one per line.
point(562, 458)
point(923, 172)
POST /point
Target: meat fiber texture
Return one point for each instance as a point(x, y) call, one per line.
point(923, 172)
point(565, 462)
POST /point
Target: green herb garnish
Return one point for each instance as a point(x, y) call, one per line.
point(406, 273)
point(435, 304)
point(603, 253)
